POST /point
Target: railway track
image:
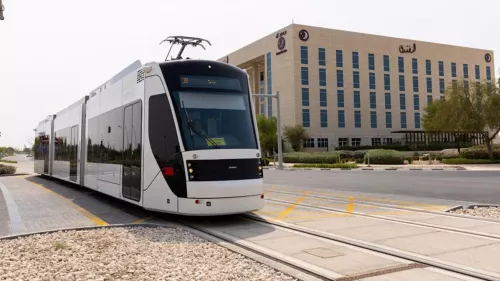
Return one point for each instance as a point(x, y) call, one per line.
point(307, 271)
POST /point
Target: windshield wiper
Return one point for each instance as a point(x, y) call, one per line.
point(198, 130)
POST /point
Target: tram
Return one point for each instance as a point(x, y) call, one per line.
point(178, 136)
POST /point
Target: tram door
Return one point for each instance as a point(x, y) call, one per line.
point(132, 151)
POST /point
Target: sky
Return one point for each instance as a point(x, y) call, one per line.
point(53, 52)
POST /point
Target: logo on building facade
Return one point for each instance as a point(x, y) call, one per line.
point(407, 49)
point(226, 59)
point(487, 57)
point(303, 35)
point(281, 42)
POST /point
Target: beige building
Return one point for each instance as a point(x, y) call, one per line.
point(352, 88)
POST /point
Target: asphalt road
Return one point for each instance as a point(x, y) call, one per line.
point(460, 186)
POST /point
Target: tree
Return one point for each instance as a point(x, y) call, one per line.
point(268, 128)
point(466, 109)
point(295, 135)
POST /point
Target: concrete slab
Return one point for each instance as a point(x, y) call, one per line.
point(435, 242)
point(482, 257)
point(295, 244)
point(491, 228)
point(348, 263)
point(331, 224)
point(258, 232)
point(416, 274)
point(455, 222)
point(382, 231)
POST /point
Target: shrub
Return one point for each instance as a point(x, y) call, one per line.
point(381, 156)
point(328, 166)
point(313, 157)
point(479, 152)
point(265, 161)
point(407, 147)
point(463, 161)
point(409, 159)
point(8, 161)
point(7, 169)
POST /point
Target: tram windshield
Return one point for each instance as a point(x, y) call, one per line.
point(214, 113)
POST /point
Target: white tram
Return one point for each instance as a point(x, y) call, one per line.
point(178, 136)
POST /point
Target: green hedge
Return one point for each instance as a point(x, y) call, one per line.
point(328, 166)
point(8, 161)
point(312, 157)
point(479, 152)
point(406, 147)
point(380, 156)
point(464, 161)
point(7, 169)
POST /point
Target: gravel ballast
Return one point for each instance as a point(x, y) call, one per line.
point(138, 253)
point(488, 212)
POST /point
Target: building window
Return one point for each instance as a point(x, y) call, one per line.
point(322, 142)
point(401, 65)
point(429, 99)
point(355, 79)
point(340, 78)
point(402, 86)
point(309, 143)
point(322, 97)
point(343, 142)
point(372, 81)
point(321, 56)
point(388, 120)
point(356, 141)
point(304, 72)
point(355, 60)
point(428, 67)
point(402, 101)
point(453, 69)
point(357, 99)
point(341, 117)
point(403, 120)
point(322, 77)
point(305, 97)
point(441, 68)
point(373, 100)
point(387, 100)
point(414, 64)
point(373, 119)
point(376, 141)
point(303, 55)
point(441, 85)
point(306, 121)
point(429, 84)
point(357, 119)
point(387, 140)
point(386, 63)
point(340, 98)
point(417, 120)
point(416, 102)
point(488, 73)
point(323, 118)
point(466, 71)
point(340, 59)
point(387, 82)
point(478, 72)
point(415, 84)
point(371, 62)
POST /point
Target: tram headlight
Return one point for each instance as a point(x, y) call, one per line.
point(190, 170)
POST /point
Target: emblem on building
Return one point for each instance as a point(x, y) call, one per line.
point(407, 49)
point(304, 35)
point(226, 59)
point(281, 42)
point(487, 57)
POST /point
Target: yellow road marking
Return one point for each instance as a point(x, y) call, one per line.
point(143, 219)
point(350, 205)
point(292, 206)
point(96, 220)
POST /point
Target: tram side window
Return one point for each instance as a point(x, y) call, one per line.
point(162, 132)
point(111, 124)
point(93, 141)
point(62, 146)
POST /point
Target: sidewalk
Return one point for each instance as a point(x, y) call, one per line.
point(434, 167)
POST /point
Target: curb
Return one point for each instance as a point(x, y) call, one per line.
point(368, 169)
point(14, 175)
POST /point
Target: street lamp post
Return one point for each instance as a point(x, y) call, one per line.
point(280, 148)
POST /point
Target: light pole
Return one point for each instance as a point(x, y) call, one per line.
point(280, 148)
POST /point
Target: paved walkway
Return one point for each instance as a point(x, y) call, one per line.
point(33, 204)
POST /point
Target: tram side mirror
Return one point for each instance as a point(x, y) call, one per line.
point(109, 129)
